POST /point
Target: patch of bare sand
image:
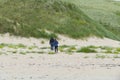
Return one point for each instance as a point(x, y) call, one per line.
point(58, 67)
point(89, 41)
point(63, 40)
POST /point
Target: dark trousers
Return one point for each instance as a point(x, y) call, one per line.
point(52, 47)
point(56, 48)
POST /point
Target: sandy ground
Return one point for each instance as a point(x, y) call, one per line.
point(62, 41)
point(59, 66)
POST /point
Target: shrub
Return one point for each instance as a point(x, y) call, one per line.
point(118, 49)
point(108, 51)
point(71, 49)
point(51, 53)
point(1, 46)
point(86, 50)
point(23, 53)
point(61, 49)
point(42, 42)
point(21, 46)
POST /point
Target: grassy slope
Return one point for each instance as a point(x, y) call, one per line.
point(33, 17)
point(105, 12)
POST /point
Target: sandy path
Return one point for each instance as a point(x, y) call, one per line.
point(58, 67)
point(63, 40)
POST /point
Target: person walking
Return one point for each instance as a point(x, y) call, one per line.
point(51, 42)
point(56, 45)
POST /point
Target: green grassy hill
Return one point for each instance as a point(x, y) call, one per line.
point(46, 18)
point(104, 12)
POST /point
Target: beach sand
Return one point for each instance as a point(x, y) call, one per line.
point(59, 66)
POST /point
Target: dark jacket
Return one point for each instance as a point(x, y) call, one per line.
point(55, 43)
point(51, 41)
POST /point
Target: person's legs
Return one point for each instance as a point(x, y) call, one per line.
point(51, 47)
point(56, 49)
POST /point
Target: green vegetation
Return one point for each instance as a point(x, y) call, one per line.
point(107, 49)
point(51, 52)
point(45, 48)
point(102, 51)
point(2, 45)
point(14, 52)
point(116, 56)
point(71, 49)
point(118, 49)
point(23, 53)
point(64, 46)
point(46, 18)
point(87, 49)
point(22, 49)
point(100, 56)
point(104, 12)
point(32, 47)
point(86, 56)
point(67, 49)
point(42, 42)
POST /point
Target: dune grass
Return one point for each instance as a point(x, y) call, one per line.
point(51, 52)
point(100, 56)
point(22, 49)
point(104, 12)
point(87, 49)
point(99, 49)
point(34, 18)
point(15, 46)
